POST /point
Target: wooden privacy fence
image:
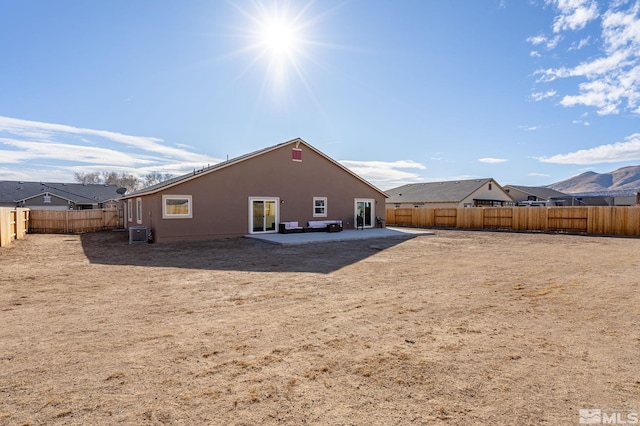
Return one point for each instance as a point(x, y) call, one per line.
point(589, 220)
point(13, 224)
point(73, 221)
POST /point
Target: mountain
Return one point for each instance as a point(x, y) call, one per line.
point(624, 181)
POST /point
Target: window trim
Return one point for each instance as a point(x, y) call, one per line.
point(324, 207)
point(139, 210)
point(130, 210)
point(166, 215)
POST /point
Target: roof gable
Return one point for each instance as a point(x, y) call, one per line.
point(539, 192)
point(229, 163)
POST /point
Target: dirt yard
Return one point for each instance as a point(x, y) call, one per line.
point(453, 328)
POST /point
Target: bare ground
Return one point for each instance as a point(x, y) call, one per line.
point(455, 328)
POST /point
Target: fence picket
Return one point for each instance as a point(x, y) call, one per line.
point(72, 221)
point(600, 220)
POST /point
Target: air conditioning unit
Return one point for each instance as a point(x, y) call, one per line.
point(138, 234)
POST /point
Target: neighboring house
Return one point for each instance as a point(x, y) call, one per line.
point(57, 196)
point(532, 195)
point(451, 194)
point(536, 196)
point(252, 194)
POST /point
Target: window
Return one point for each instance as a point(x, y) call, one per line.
point(489, 187)
point(296, 154)
point(139, 210)
point(177, 207)
point(130, 210)
point(46, 199)
point(319, 206)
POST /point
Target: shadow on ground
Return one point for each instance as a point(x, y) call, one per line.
point(233, 254)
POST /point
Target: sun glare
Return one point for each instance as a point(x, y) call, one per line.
point(280, 38)
point(280, 42)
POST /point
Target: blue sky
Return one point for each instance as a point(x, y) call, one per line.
point(527, 92)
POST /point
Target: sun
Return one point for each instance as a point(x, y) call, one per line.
point(280, 43)
point(280, 38)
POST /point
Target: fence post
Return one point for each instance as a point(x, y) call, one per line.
point(4, 228)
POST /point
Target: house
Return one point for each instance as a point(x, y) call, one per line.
point(252, 194)
point(57, 196)
point(451, 194)
point(532, 195)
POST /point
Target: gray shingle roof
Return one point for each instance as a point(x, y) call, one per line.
point(541, 193)
point(14, 191)
point(435, 192)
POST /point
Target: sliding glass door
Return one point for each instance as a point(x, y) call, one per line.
point(364, 209)
point(263, 215)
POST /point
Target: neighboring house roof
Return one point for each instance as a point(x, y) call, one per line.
point(436, 192)
point(16, 191)
point(210, 169)
point(540, 193)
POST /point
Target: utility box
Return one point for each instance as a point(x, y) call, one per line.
point(138, 234)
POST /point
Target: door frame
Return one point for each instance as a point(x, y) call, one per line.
point(276, 201)
point(372, 219)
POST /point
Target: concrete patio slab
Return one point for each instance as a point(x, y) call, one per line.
point(346, 235)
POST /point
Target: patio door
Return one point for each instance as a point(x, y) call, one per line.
point(365, 208)
point(263, 215)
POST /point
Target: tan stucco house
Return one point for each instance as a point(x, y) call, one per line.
point(252, 194)
point(532, 195)
point(449, 194)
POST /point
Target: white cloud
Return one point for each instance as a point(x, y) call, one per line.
point(385, 174)
point(64, 150)
point(34, 174)
point(48, 132)
point(583, 122)
point(611, 81)
point(538, 96)
point(492, 160)
point(611, 153)
point(56, 151)
point(573, 14)
point(549, 43)
point(536, 40)
point(533, 174)
point(529, 128)
point(580, 44)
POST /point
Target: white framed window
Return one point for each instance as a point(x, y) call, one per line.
point(130, 210)
point(319, 206)
point(46, 199)
point(139, 210)
point(177, 207)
